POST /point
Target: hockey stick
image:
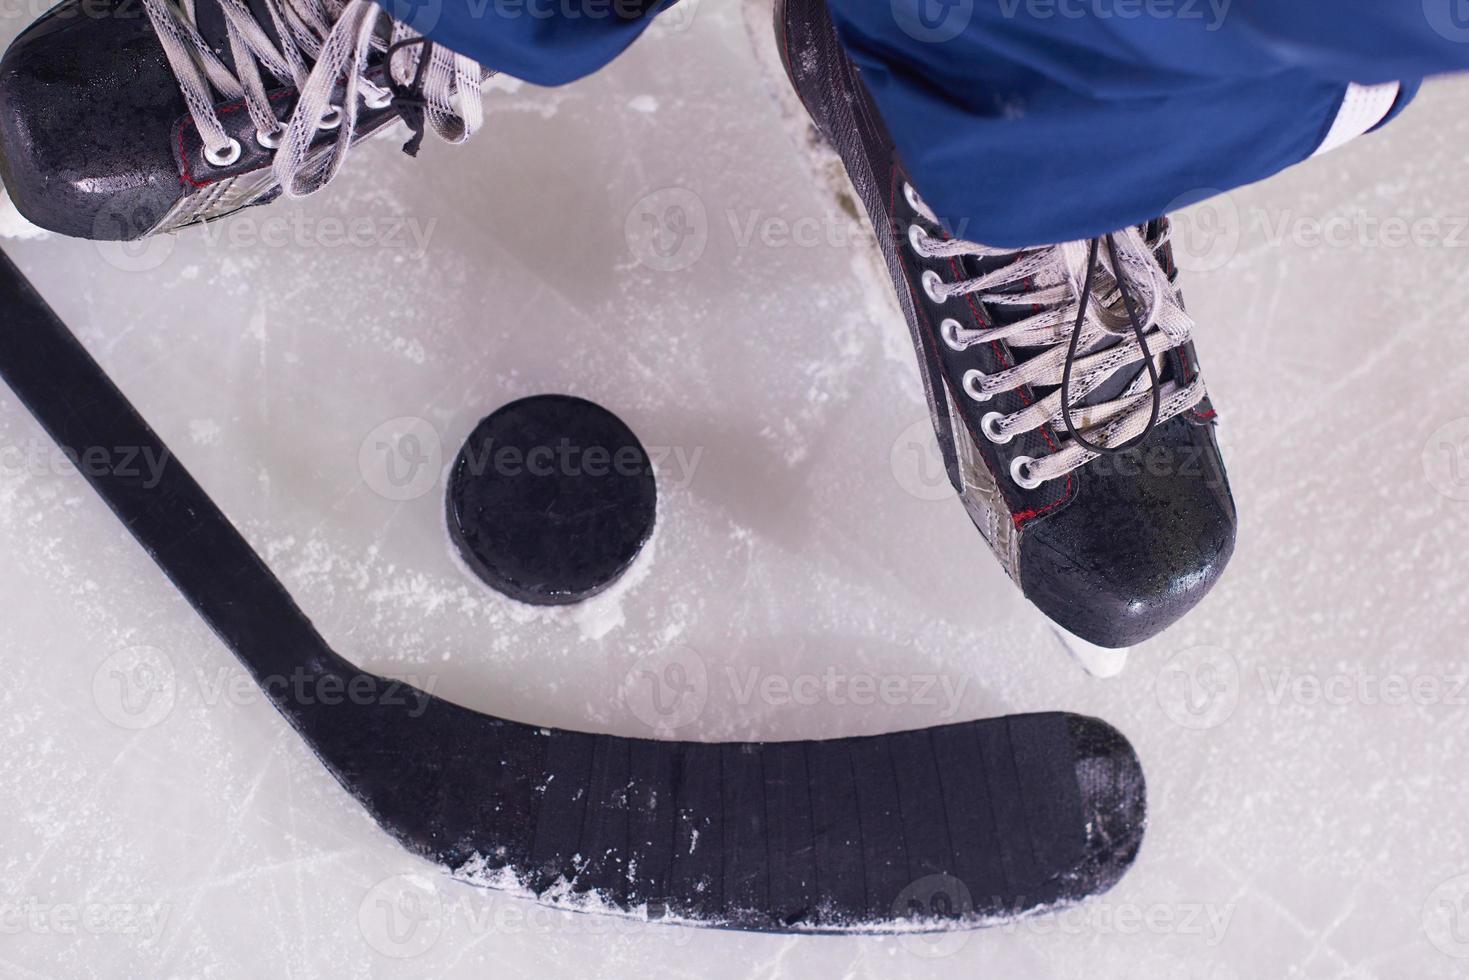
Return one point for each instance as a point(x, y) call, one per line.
point(942, 828)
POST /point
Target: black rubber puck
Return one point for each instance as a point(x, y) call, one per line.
point(551, 499)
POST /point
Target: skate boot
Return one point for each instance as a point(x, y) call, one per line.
point(1061, 379)
point(122, 119)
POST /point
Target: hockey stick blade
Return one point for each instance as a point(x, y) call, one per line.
point(949, 827)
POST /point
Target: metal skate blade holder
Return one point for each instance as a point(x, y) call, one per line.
point(1100, 662)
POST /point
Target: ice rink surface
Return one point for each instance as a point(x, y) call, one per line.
point(1303, 732)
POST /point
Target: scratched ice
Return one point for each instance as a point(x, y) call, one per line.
point(812, 575)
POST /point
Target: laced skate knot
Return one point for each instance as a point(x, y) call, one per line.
point(1091, 326)
point(408, 99)
point(323, 48)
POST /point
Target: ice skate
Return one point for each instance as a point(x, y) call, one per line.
point(1062, 381)
point(125, 120)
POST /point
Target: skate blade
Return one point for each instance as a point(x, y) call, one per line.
point(1100, 662)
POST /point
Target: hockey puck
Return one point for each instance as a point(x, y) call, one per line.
point(551, 499)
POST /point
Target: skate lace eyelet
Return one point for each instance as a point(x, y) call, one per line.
point(332, 119)
point(916, 235)
point(973, 386)
point(933, 286)
point(1021, 472)
point(379, 100)
point(949, 330)
point(989, 425)
point(911, 196)
point(269, 141)
point(225, 157)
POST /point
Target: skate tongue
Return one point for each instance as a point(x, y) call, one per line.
point(210, 20)
point(1108, 390)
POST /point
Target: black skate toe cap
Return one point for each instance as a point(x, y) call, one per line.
point(87, 105)
point(1145, 537)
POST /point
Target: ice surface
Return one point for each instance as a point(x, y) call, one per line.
point(160, 819)
point(12, 224)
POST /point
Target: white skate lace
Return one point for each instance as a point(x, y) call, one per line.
point(1095, 316)
point(324, 43)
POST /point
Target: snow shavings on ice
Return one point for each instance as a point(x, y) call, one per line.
point(794, 547)
point(12, 224)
